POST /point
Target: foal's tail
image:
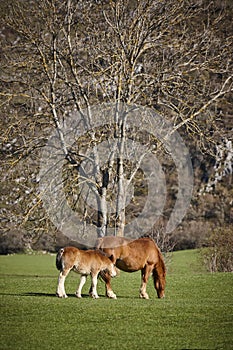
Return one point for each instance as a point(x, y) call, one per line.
point(59, 263)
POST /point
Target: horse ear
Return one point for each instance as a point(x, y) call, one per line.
point(111, 257)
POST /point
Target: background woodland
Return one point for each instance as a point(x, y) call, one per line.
point(60, 56)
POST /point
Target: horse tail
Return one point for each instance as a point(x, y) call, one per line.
point(59, 263)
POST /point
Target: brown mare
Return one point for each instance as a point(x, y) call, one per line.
point(133, 255)
point(89, 262)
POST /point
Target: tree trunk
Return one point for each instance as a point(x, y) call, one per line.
point(121, 195)
point(102, 214)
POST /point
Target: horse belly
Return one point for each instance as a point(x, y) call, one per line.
point(80, 270)
point(127, 266)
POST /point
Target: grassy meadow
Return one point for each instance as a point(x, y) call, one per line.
point(197, 312)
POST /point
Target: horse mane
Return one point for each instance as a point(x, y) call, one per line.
point(148, 237)
point(162, 263)
point(161, 259)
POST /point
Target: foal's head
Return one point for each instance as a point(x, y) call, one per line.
point(111, 269)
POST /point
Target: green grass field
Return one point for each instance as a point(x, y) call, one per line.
point(197, 312)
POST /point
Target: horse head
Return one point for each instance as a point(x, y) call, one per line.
point(159, 276)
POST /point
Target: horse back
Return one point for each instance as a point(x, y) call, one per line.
point(132, 255)
point(95, 258)
point(111, 242)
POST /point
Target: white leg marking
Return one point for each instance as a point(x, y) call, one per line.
point(111, 294)
point(81, 284)
point(94, 287)
point(143, 294)
point(61, 286)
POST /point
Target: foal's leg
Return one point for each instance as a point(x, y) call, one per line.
point(107, 279)
point(94, 279)
point(61, 284)
point(81, 284)
point(145, 272)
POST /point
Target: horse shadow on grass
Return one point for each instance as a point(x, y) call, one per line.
point(29, 294)
point(53, 295)
point(34, 294)
point(50, 295)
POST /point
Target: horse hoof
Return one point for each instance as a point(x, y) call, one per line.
point(78, 295)
point(144, 296)
point(111, 295)
point(162, 296)
point(94, 296)
point(61, 295)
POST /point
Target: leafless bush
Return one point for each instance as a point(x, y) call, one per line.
point(218, 255)
point(164, 241)
point(12, 242)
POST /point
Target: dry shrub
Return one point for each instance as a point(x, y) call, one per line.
point(218, 255)
point(164, 241)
